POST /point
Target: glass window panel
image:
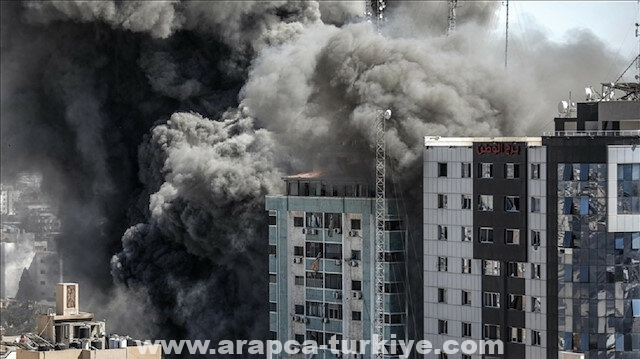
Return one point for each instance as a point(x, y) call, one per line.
point(619, 243)
point(635, 305)
point(584, 171)
point(635, 240)
point(568, 273)
point(584, 205)
point(567, 173)
point(568, 205)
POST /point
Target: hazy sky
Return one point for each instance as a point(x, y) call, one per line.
point(612, 21)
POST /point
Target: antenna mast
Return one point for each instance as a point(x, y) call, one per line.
point(378, 324)
point(375, 9)
point(506, 36)
point(453, 4)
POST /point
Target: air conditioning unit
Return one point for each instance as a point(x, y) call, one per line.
point(338, 262)
point(353, 263)
point(353, 233)
point(325, 320)
point(337, 295)
point(313, 231)
point(337, 230)
point(305, 320)
point(357, 295)
point(297, 259)
point(294, 318)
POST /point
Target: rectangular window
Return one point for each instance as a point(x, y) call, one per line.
point(442, 264)
point(299, 280)
point(272, 218)
point(272, 279)
point(485, 235)
point(467, 234)
point(535, 171)
point(356, 255)
point(512, 203)
point(535, 239)
point(491, 299)
point(356, 315)
point(466, 329)
point(394, 318)
point(635, 308)
point(485, 203)
point(491, 268)
point(535, 205)
point(299, 309)
point(314, 249)
point(536, 271)
point(442, 295)
point(491, 331)
point(511, 170)
point(272, 250)
point(334, 311)
point(333, 251)
point(442, 201)
point(355, 224)
point(314, 309)
point(485, 170)
point(356, 285)
point(314, 280)
point(443, 326)
point(465, 170)
point(442, 169)
point(466, 265)
point(516, 269)
point(298, 251)
point(466, 201)
point(298, 222)
point(466, 297)
point(517, 335)
point(536, 338)
point(512, 236)
point(442, 233)
point(273, 307)
point(516, 301)
point(536, 305)
point(333, 281)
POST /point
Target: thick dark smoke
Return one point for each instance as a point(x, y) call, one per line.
point(160, 126)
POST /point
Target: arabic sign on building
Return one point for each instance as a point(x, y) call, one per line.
point(497, 148)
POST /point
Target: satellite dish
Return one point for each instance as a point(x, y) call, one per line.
point(387, 114)
point(563, 106)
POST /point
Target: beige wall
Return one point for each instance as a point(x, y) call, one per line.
point(121, 353)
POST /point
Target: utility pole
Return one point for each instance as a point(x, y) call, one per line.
point(506, 37)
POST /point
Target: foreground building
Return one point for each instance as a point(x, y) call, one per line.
point(536, 241)
point(321, 262)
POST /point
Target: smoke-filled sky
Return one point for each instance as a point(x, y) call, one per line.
point(161, 126)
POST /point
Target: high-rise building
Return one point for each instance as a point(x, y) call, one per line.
point(536, 241)
point(321, 262)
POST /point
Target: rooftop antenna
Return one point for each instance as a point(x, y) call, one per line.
point(506, 36)
point(453, 4)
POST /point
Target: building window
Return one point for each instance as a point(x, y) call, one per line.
point(511, 170)
point(491, 331)
point(536, 338)
point(442, 233)
point(485, 170)
point(485, 203)
point(393, 318)
point(512, 203)
point(442, 169)
point(466, 329)
point(535, 171)
point(485, 235)
point(465, 170)
point(355, 224)
point(491, 299)
point(272, 279)
point(356, 255)
point(516, 269)
point(442, 264)
point(490, 267)
point(356, 285)
point(334, 311)
point(299, 309)
point(272, 250)
point(333, 251)
point(314, 280)
point(535, 205)
point(298, 251)
point(442, 201)
point(443, 326)
point(517, 335)
point(466, 201)
point(314, 249)
point(314, 309)
point(272, 218)
point(466, 265)
point(516, 301)
point(629, 188)
point(536, 271)
point(273, 307)
point(536, 305)
point(298, 222)
point(442, 295)
point(466, 298)
point(333, 281)
point(299, 280)
point(512, 236)
point(535, 239)
point(467, 234)
point(356, 315)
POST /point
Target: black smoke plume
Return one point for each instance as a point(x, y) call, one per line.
point(161, 126)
